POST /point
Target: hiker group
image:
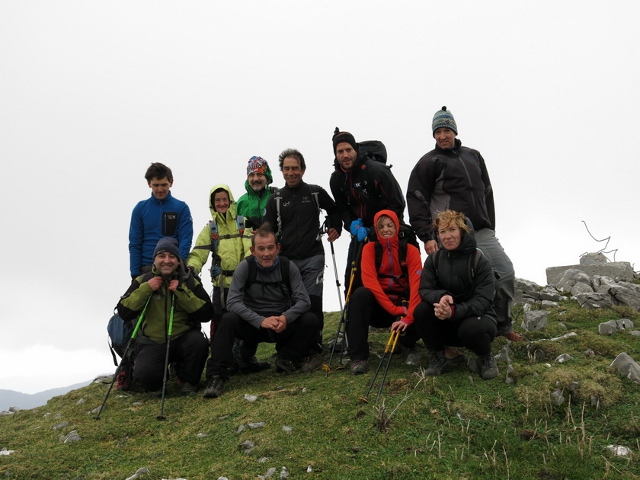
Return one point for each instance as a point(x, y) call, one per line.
point(267, 265)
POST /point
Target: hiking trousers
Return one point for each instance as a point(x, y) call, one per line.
point(365, 311)
point(293, 343)
point(188, 353)
point(473, 333)
point(505, 277)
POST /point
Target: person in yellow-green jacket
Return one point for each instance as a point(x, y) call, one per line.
point(226, 239)
point(176, 305)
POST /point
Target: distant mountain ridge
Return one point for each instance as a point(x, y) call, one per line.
point(24, 401)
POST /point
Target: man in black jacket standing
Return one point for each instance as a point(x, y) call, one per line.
point(293, 213)
point(455, 177)
point(361, 187)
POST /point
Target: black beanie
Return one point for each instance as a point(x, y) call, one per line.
point(167, 244)
point(339, 137)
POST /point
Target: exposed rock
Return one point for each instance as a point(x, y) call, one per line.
point(139, 473)
point(619, 450)
point(565, 357)
point(597, 258)
point(534, 320)
point(72, 436)
point(618, 270)
point(613, 326)
point(594, 300)
point(625, 365)
point(557, 397)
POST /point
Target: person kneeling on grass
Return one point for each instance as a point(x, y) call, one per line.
point(272, 307)
point(457, 289)
point(172, 295)
point(390, 288)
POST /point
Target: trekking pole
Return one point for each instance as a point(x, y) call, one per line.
point(389, 348)
point(343, 316)
point(124, 355)
point(335, 272)
point(166, 360)
point(386, 368)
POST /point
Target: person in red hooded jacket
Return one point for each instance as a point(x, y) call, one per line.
point(388, 296)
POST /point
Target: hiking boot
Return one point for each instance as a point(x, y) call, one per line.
point(187, 388)
point(358, 367)
point(123, 381)
point(514, 336)
point(214, 387)
point(413, 357)
point(312, 362)
point(506, 330)
point(437, 363)
point(284, 365)
point(488, 367)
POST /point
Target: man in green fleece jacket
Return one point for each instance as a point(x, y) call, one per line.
point(172, 290)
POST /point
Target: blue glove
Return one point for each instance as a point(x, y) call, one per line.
point(355, 226)
point(358, 230)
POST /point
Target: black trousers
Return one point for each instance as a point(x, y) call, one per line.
point(474, 333)
point(293, 343)
point(364, 311)
point(188, 353)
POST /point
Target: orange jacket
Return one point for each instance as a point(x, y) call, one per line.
point(387, 283)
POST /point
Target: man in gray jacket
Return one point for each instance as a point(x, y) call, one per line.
point(267, 302)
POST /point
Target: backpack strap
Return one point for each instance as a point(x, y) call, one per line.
point(471, 269)
point(284, 284)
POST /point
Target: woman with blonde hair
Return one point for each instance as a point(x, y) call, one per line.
point(457, 289)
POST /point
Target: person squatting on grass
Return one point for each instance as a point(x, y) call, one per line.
point(456, 297)
point(389, 294)
point(176, 293)
point(265, 309)
point(231, 245)
point(455, 177)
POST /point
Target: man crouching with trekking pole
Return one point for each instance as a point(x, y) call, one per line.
point(178, 305)
point(267, 302)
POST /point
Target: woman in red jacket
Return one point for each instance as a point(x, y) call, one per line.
point(390, 290)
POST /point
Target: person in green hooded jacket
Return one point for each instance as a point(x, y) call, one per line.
point(253, 204)
point(229, 243)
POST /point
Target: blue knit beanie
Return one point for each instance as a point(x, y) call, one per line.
point(443, 119)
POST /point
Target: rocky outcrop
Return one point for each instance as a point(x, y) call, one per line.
point(594, 283)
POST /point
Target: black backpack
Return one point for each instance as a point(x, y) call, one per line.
point(373, 149)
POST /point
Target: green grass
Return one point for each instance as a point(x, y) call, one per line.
point(456, 426)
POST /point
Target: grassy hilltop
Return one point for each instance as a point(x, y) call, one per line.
point(456, 426)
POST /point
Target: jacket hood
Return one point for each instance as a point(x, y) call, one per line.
point(392, 215)
point(232, 202)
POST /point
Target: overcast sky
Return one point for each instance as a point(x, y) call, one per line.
point(92, 92)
